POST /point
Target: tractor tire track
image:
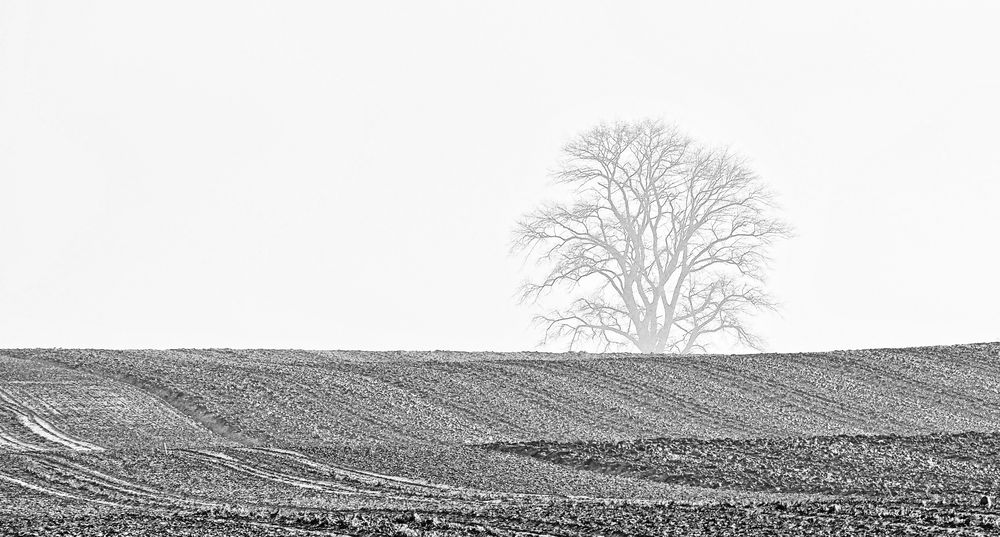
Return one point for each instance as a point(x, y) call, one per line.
point(54, 492)
point(55, 471)
point(41, 427)
point(9, 441)
point(427, 491)
point(103, 481)
point(221, 459)
point(361, 475)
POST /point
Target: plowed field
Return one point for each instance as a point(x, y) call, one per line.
point(272, 442)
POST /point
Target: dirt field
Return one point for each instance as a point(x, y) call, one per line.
point(271, 442)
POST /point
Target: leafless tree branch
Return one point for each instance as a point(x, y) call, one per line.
point(665, 244)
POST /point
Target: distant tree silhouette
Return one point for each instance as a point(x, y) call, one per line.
point(663, 246)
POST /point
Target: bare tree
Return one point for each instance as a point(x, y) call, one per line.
point(663, 246)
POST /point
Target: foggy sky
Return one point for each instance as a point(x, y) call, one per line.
point(346, 175)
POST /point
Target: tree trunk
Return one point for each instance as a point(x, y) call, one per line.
point(647, 345)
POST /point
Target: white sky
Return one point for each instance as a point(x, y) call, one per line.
point(346, 174)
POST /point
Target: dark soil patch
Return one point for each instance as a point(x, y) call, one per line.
point(927, 465)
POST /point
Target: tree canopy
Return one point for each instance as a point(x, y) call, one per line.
point(663, 247)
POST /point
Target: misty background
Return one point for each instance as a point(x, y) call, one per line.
point(333, 175)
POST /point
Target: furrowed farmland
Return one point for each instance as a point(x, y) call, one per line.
point(285, 442)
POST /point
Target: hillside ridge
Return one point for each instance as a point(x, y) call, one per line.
point(334, 397)
point(444, 354)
